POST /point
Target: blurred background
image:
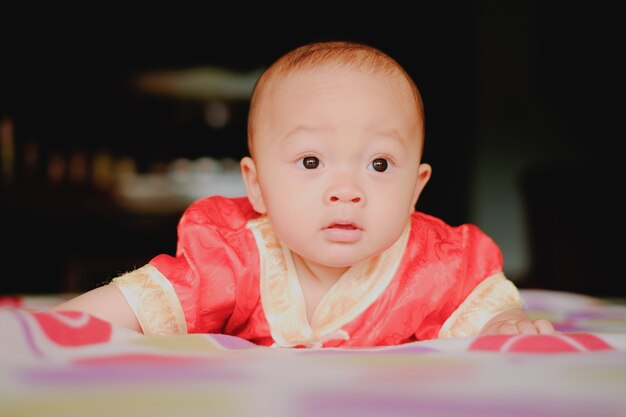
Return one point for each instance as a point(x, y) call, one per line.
point(112, 121)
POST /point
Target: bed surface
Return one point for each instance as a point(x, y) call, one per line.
point(72, 364)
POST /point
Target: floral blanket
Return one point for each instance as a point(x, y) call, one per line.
point(72, 364)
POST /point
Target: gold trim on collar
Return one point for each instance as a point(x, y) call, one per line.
point(283, 300)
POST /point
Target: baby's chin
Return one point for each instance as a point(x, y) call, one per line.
point(345, 260)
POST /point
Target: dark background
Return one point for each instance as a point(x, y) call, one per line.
point(524, 114)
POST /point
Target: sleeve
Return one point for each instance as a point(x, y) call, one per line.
point(484, 289)
point(193, 291)
point(153, 300)
point(491, 296)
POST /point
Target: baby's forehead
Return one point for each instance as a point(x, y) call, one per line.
point(355, 94)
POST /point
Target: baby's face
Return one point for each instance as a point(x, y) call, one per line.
point(337, 153)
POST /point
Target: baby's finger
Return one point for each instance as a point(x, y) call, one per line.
point(527, 327)
point(508, 328)
point(544, 326)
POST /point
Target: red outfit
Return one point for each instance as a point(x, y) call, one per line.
point(232, 275)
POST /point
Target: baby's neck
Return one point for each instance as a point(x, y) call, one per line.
point(324, 275)
point(315, 281)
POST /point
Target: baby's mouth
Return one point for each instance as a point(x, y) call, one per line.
point(343, 232)
point(343, 226)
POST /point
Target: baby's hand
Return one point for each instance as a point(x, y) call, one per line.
point(516, 322)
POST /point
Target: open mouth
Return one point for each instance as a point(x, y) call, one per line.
point(342, 226)
point(343, 232)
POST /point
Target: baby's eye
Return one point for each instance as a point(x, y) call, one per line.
point(310, 162)
point(379, 165)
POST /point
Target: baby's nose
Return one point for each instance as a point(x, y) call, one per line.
point(338, 198)
point(345, 195)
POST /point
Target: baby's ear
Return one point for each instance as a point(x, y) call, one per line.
point(251, 181)
point(423, 175)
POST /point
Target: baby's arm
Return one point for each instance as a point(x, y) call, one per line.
point(106, 303)
point(515, 321)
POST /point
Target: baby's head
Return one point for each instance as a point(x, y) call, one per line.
point(347, 55)
point(335, 134)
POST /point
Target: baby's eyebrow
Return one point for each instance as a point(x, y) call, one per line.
point(304, 129)
point(390, 134)
point(300, 132)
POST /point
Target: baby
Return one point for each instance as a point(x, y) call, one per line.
point(327, 249)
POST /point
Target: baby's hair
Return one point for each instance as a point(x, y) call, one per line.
point(332, 53)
